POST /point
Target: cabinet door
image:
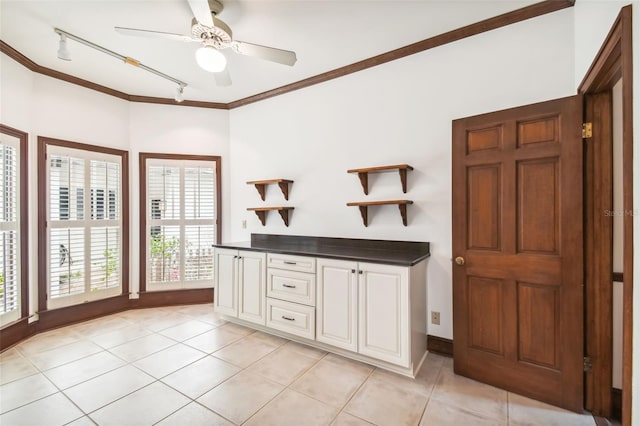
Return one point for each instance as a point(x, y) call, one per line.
point(337, 304)
point(252, 286)
point(226, 288)
point(384, 313)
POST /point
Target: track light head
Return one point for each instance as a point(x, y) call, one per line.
point(179, 95)
point(63, 51)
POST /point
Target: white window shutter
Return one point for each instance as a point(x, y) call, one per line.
point(181, 223)
point(84, 226)
point(9, 232)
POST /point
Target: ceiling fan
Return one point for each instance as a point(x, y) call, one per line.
point(215, 35)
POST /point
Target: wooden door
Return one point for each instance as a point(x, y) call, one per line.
point(252, 286)
point(518, 250)
point(337, 304)
point(226, 287)
point(383, 321)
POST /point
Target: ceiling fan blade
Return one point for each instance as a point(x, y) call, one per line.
point(223, 78)
point(272, 54)
point(202, 12)
point(154, 34)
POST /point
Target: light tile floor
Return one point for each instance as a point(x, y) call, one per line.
point(186, 366)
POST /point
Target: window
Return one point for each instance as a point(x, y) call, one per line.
point(13, 225)
point(85, 218)
point(181, 202)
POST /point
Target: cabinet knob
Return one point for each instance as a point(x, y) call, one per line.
point(353, 271)
point(459, 260)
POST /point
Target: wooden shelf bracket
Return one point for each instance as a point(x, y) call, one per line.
point(261, 186)
point(363, 174)
point(261, 212)
point(364, 205)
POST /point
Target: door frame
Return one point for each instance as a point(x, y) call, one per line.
point(612, 63)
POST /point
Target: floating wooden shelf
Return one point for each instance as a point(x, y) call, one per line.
point(261, 212)
point(363, 174)
point(261, 184)
point(364, 205)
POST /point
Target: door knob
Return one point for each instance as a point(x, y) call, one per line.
point(459, 261)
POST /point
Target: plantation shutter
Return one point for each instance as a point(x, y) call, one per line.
point(181, 217)
point(84, 226)
point(9, 232)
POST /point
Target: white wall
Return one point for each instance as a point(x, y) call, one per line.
point(43, 106)
point(593, 20)
point(399, 112)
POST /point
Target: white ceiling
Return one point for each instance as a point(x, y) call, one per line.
point(325, 34)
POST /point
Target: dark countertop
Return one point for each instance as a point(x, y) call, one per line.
point(401, 253)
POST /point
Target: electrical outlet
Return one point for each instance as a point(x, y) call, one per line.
point(244, 224)
point(435, 317)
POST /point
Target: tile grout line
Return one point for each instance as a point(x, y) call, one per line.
point(435, 382)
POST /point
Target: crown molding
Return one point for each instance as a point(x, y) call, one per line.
point(519, 15)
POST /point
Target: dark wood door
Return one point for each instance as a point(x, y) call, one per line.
point(518, 250)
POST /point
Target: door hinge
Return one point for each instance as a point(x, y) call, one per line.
point(587, 130)
point(587, 363)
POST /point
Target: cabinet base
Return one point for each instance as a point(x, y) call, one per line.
point(410, 371)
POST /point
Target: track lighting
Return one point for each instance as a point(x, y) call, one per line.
point(210, 59)
point(63, 51)
point(179, 97)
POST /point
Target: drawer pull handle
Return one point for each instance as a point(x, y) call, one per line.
point(286, 262)
point(288, 318)
point(288, 286)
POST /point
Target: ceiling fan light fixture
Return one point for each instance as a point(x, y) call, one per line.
point(210, 59)
point(63, 51)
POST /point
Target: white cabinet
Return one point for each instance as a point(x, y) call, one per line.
point(364, 308)
point(291, 291)
point(384, 331)
point(292, 318)
point(337, 304)
point(298, 287)
point(225, 291)
point(240, 287)
point(371, 312)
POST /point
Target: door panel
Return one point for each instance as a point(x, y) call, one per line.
point(383, 317)
point(538, 325)
point(485, 319)
point(517, 223)
point(337, 309)
point(252, 287)
point(226, 292)
point(483, 186)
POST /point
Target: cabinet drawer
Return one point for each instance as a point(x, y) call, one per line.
point(291, 318)
point(293, 286)
point(291, 263)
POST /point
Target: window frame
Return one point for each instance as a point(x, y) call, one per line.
point(43, 191)
point(142, 172)
point(23, 226)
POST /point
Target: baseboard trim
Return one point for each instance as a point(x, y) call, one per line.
point(616, 404)
point(61, 317)
point(440, 345)
point(15, 332)
point(154, 299)
point(21, 329)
